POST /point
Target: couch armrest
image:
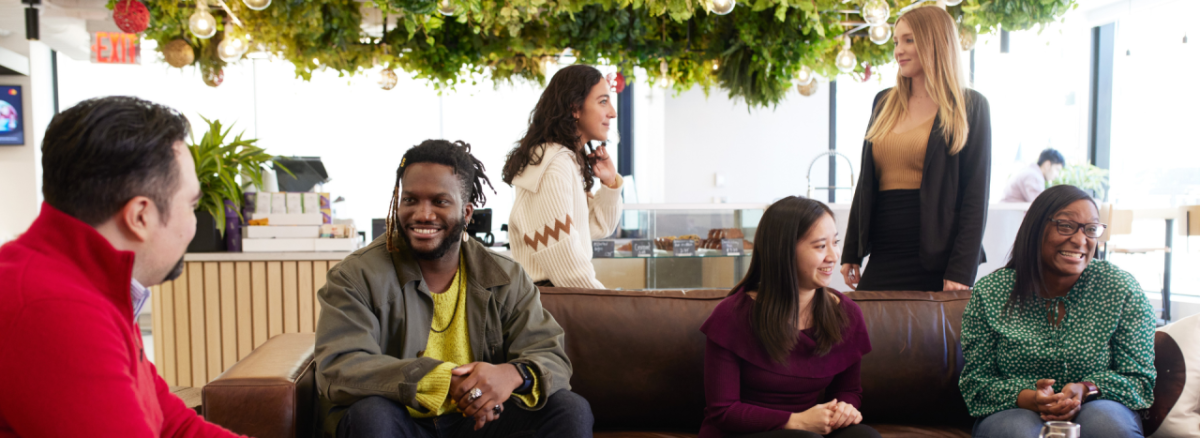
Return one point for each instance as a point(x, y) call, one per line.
point(269, 393)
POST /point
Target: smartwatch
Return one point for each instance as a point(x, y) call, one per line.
point(1091, 391)
point(526, 375)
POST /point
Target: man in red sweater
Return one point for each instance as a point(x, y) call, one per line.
point(120, 187)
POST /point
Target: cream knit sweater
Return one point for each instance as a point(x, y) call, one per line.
point(544, 228)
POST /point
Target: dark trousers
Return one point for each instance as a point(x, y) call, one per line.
point(855, 431)
point(565, 415)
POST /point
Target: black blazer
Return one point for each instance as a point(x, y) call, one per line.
point(954, 198)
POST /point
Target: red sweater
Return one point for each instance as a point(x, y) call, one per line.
point(71, 358)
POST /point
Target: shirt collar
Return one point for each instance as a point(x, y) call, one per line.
point(139, 294)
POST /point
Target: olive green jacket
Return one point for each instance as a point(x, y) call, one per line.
point(375, 321)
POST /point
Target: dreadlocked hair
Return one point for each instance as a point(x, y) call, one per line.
point(458, 156)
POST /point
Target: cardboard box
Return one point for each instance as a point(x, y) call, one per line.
point(298, 245)
point(283, 232)
point(326, 207)
point(295, 203)
point(290, 219)
point(278, 204)
point(262, 202)
point(312, 203)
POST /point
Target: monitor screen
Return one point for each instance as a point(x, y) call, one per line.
point(12, 131)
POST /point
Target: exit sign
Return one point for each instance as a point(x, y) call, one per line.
point(116, 48)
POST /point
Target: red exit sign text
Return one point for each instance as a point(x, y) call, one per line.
point(116, 48)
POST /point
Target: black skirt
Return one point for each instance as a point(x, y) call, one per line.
point(895, 242)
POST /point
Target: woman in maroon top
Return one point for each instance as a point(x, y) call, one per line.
point(781, 338)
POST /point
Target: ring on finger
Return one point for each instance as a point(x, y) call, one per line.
point(497, 409)
point(474, 394)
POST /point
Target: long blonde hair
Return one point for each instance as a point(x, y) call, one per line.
point(937, 45)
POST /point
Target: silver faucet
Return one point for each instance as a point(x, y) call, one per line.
point(849, 164)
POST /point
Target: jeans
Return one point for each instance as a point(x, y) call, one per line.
point(1096, 419)
point(565, 415)
point(854, 431)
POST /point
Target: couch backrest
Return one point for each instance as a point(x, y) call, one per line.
point(638, 356)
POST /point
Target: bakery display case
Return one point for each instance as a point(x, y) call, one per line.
point(678, 246)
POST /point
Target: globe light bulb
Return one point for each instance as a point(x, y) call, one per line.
point(876, 12)
point(445, 7)
point(716, 64)
point(846, 61)
point(880, 33)
point(805, 76)
point(257, 5)
point(722, 7)
point(387, 79)
point(232, 48)
point(953, 2)
point(202, 23)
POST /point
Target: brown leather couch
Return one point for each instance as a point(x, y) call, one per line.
point(638, 358)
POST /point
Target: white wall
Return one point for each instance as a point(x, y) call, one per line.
point(763, 154)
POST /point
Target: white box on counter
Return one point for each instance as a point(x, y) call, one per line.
point(298, 245)
point(278, 204)
point(291, 219)
point(283, 232)
point(295, 203)
point(312, 203)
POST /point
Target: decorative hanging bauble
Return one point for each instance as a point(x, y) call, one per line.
point(257, 5)
point(232, 48)
point(876, 12)
point(179, 53)
point(966, 37)
point(213, 76)
point(447, 8)
point(722, 7)
point(131, 16)
point(387, 79)
point(805, 76)
point(808, 90)
point(880, 33)
point(616, 81)
point(201, 23)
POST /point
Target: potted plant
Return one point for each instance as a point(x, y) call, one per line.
point(219, 164)
point(1085, 176)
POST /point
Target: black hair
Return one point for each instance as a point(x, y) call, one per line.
point(773, 275)
point(458, 156)
point(1051, 155)
point(1026, 256)
point(102, 152)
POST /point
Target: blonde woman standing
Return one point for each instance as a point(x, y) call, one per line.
point(922, 197)
point(556, 215)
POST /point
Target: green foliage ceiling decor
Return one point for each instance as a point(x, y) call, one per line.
point(752, 53)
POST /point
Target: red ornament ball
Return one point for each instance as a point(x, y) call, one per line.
point(213, 76)
point(131, 16)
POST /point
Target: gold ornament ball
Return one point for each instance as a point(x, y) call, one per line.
point(808, 89)
point(213, 76)
point(179, 53)
point(387, 79)
point(966, 37)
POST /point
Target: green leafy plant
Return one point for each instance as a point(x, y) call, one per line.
point(1086, 177)
point(752, 53)
point(220, 163)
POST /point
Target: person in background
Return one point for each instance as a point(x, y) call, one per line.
point(426, 334)
point(555, 215)
point(922, 197)
point(781, 340)
point(1056, 335)
point(1027, 184)
point(120, 188)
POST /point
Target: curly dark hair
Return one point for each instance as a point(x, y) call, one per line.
point(553, 121)
point(458, 156)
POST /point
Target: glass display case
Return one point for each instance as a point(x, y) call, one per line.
point(678, 246)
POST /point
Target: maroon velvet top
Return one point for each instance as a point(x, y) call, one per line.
point(748, 392)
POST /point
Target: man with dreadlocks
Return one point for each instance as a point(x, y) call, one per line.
point(426, 334)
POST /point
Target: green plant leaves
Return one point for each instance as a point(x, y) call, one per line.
point(762, 43)
point(219, 164)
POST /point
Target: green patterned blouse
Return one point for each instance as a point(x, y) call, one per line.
point(1106, 337)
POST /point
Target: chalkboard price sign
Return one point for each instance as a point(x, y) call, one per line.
point(603, 249)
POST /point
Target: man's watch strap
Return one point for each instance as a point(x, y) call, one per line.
point(1091, 391)
point(527, 376)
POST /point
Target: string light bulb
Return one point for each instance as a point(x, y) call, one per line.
point(880, 33)
point(876, 12)
point(232, 47)
point(952, 2)
point(201, 23)
point(447, 8)
point(722, 7)
point(805, 76)
point(257, 5)
point(387, 79)
point(846, 61)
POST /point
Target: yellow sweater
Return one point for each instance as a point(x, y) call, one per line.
point(900, 157)
point(453, 347)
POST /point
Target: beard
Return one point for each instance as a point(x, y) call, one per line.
point(452, 238)
point(175, 272)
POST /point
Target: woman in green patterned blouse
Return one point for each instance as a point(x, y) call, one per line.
point(1055, 335)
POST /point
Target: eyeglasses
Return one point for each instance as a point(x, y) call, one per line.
point(1069, 228)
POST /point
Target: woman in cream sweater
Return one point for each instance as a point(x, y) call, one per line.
point(553, 168)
